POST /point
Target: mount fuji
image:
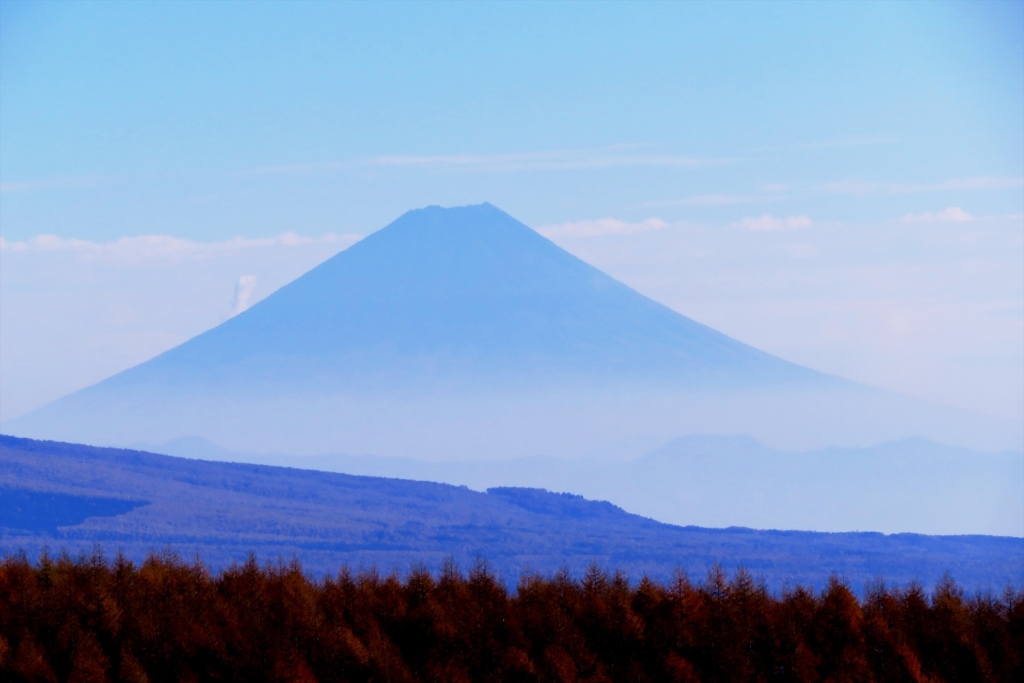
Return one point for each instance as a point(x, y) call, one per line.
point(460, 333)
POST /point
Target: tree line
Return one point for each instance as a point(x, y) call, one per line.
point(88, 618)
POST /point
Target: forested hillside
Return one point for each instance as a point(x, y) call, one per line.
point(72, 496)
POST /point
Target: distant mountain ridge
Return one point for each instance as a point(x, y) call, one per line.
point(462, 333)
point(136, 502)
point(911, 485)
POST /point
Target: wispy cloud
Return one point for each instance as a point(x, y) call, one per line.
point(601, 226)
point(986, 183)
point(707, 200)
point(953, 214)
point(614, 226)
point(572, 159)
point(152, 247)
point(775, 191)
point(857, 187)
point(767, 223)
point(829, 144)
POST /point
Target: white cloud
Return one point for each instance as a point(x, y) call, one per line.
point(953, 214)
point(154, 247)
point(602, 226)
point(767, 223)
point(857, 187)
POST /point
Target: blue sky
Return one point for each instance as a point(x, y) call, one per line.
point(210, 120)
point(839, 183)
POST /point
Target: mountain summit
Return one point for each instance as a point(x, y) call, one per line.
point(460, 332)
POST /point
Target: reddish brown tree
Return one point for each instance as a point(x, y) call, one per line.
point(90, 619)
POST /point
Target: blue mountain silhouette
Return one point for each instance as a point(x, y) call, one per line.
point(461, 332)
point(466, 294)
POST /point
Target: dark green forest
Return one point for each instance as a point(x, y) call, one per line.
point(88, 618)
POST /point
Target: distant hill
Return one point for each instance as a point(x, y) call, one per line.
point(463, 333)
point(61, 495)
point(911, 485)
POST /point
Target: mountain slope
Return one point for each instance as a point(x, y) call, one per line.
point(137, 502)
point(913, 485)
